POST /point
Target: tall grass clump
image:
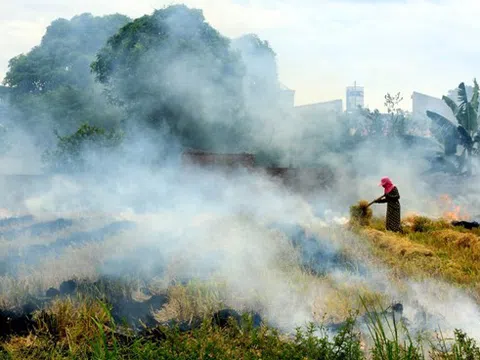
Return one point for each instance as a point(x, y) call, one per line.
point(191, 301)
point(67, 328)
point(390, 338)
point(460, 347)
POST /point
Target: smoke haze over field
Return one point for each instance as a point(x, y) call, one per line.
point(233, 231)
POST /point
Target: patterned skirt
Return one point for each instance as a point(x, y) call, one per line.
point(393, 217)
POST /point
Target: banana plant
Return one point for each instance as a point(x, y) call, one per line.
point(466, 133)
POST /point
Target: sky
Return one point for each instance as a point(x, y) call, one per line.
point(322, 46)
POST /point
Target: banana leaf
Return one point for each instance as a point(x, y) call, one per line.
point(466, 114)
point(475, 100)
point(444, 131)
point(451, 104)
point(465, 139)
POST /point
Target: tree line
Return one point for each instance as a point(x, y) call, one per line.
point(93, 81)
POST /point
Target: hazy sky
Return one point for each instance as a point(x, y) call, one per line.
point(322, 45)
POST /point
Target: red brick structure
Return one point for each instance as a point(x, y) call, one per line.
point(216, 160)
point(300, 179)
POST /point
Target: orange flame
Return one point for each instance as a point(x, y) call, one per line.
point(452, 212)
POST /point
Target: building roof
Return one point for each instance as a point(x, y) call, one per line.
point(284, 88)
point(320, 104)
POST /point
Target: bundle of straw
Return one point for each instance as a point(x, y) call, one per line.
point(361, 213)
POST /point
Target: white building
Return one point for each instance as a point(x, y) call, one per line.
point(355, 97)
point(287, 96)
point(421, 103)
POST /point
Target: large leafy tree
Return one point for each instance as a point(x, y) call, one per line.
point(64, 54)
point(465, 133)
point(173, 70)
point(51, 87)
point(261, 78)
point(266, 108)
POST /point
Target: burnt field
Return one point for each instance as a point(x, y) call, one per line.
point(206, 242)
point(149, 270)
point(42, 260)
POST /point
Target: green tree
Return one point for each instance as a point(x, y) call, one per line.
point(52, 86)
point(261, 73)
point(72, 151)
point(466, 132)
point(266, 107)
point(64, 54)
point(397, 121)
point(367, 122)
point(172, 69)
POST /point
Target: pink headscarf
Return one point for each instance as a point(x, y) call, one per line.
point(387, 184)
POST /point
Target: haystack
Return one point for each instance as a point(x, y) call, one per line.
point(361, 213)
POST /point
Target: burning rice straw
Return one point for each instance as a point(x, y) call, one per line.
point(452, 212)
point(361, 213)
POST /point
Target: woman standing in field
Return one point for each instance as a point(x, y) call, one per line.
point(391, 197)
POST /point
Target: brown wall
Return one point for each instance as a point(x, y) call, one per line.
point(304, 180)
point(209, 159)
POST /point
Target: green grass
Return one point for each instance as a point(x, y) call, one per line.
point(84, 329)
